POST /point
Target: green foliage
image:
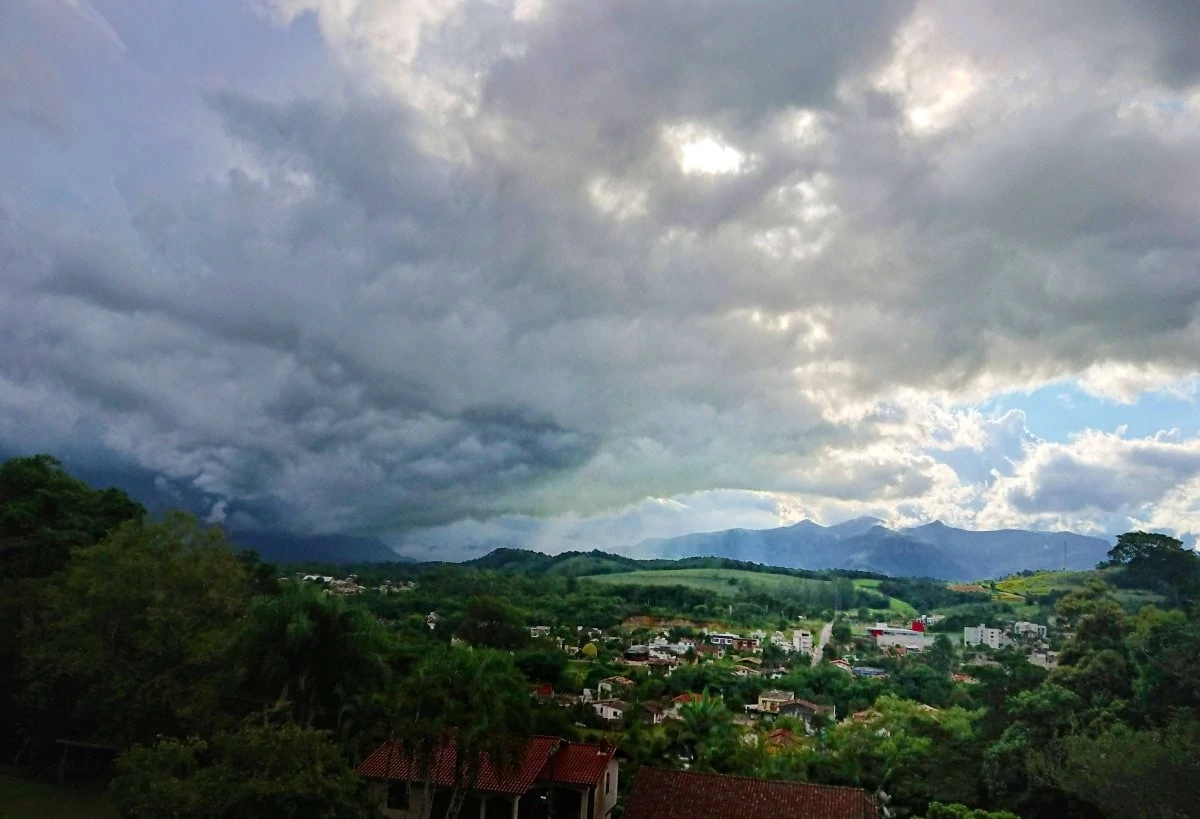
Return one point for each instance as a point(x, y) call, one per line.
point(313, 653)
point(1130, 773)
point(260, 771)
point(131, 639)
point(492, 623)
point(45, 513)
point(473, 699)
point(1158, 561)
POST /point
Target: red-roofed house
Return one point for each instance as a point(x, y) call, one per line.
point(659, 794)
point(552, 777)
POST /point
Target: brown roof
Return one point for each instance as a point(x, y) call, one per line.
point(578, 763)
point(659, 794)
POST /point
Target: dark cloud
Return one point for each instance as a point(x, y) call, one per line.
point(556, 265)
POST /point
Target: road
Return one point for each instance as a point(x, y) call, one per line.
point(819, 648)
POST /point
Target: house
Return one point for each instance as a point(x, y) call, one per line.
point(770, 700)
point(653, 713)
point(551, 774)
point(718, 638)
point(868, 671)
point(681, 700)
point(660, 794)
point(982, 635)
point(802, 641)
point(661, 666)
point(709, 652)
point(747, 645)
point(963, 679)
point(1024, 628)
point(610, 710)
point(431, 620)
point(539, 631)
point(745, 671)
point(842, 664)
point(783, 739)
point(543, 692)
point(807, 712)
point(612, 685)
point(636, 654)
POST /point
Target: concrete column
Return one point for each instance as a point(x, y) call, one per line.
point(516, 803)
point(483, 800)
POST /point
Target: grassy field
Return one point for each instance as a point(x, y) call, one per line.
point(715, 581)
point(896, 608)
point(22, 798)
point(1041, 583)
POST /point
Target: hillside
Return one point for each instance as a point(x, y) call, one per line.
point(723, 582)
point(864, 544)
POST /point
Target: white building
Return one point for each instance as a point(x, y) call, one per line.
point(982, 635)
point(1027, 629)
point(887, 636)
point(718, 638)
point(802, 641)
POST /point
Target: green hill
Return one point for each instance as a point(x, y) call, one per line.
point(726, 582)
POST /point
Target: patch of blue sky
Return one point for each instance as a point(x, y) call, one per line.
point(1057, 411)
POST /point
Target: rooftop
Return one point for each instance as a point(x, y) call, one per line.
point(543, 759)
point(659, 794)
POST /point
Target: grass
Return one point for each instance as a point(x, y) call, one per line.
point(725, 582)
point(896, 607)
point(1042, 583)
point(22, 798)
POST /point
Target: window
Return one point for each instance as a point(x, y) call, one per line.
point(607, 782)
point(397, 796)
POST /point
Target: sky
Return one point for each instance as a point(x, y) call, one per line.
point(567, 274)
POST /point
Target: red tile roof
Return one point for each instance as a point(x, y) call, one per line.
point(659, 794)
point(577, 763)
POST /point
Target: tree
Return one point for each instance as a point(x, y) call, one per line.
point(131, 640)
point(1157, 561)
point(1130, 773)
point(590, 651)
point(492, 623)
point(706, 729)
point(267, 771)
point(45, 513)
point(543, 665)
point(312, 652)
point(472, 700)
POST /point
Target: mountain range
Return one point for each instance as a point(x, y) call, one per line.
point(866, 544)
point(284, 548)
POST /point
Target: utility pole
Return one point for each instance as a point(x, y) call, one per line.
point(1064, 555)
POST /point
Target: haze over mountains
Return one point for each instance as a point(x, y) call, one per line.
point(932, 550)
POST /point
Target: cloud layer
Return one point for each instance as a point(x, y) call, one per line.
point(549, 259)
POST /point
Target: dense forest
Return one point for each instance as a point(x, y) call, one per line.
point(225, 687)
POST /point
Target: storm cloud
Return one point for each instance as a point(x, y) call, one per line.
point(488, 262)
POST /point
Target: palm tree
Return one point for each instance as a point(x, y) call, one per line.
point(473, 700)
point(707, 724)
point(313, 652)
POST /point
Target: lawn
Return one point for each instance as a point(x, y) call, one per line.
point(22, 798)
point(724, 582)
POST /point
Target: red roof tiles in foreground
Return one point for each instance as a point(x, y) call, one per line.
point(659, 794)
point(575, 762)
